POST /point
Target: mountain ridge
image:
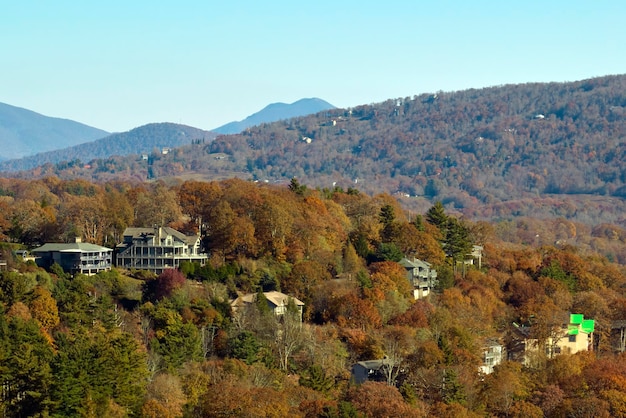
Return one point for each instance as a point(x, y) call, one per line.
point(23, 130)
point(117, 144)
point(275, 112)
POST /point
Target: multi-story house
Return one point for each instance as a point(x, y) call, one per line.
point(575, 334)
point(421, 275)
point(157, 249)
point(76, 257)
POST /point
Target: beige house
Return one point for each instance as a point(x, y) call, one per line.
point(157, 249)
point(276, 301)
point(573, 337)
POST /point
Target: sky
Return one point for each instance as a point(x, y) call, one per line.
point(116, 65)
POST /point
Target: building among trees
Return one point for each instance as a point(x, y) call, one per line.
point(421, 275)
point(277, 302)
point(157, 249)
point(570, 337)
point(76, 257)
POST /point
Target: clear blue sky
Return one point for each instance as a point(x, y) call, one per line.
point(116, 65)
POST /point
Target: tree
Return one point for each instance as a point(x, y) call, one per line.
point(398, 344)
point(296, 187)
point(436, 216)
point(315, 378)
point(164, 285)
point(376, 399)
point(44, 309)
point(25, 356)
point(506, 385)
point(176, 342)
point(289, 335)
point(457, 244)
point(93, 368)
point(166, 398)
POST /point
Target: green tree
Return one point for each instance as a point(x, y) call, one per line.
point(245, 347)
point(436, 216)
point(457, 244)
point(315, 378)
point(25, 356)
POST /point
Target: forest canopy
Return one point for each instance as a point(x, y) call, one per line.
point(132, 343)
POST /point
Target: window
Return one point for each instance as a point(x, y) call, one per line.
point(572, 338)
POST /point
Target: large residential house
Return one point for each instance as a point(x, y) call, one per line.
point(76, 257)
point(421, 275)
point(157, 249)
point(493, 354)
point(276, 301)
point(575, 335)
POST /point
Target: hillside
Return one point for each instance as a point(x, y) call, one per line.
point(144, 139)
point(540, 150)
point(275, 112)
point(23, 132)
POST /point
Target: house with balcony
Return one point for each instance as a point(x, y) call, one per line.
point(75, 258)
point(421, 275)
point(158, 248)
point(493, 354)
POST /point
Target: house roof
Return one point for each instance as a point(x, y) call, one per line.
point(373, 364)
point(276, 298)
point(415, 263)
point(139, 233)
point(70, 247)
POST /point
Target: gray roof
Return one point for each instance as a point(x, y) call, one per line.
point(71, 247)
point(373, 364)
point(277, 298)
point(143, 232)
point(415, 263)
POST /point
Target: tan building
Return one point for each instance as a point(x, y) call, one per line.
point(573, 337)
point(276, 301)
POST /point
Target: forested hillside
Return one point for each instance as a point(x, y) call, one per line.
point(127, 343)
point(145, 139)
point(539, 150)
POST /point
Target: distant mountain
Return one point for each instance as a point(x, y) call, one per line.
point(143, 139)
point(275, 112)
point(24, 132)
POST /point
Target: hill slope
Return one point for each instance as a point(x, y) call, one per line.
point(24, 132)
point(136, 141)
point(540, 149)
point(275, 112)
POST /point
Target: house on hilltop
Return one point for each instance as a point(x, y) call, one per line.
point(421, 275)
point(157, 249)
point(75, 258)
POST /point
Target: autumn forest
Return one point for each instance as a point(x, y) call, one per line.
point(134, 343)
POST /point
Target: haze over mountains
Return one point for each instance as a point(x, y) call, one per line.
point(24, 132)
point(275, 112)
point(32, 139)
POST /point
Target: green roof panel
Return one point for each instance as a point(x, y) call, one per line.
point(576, 318)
